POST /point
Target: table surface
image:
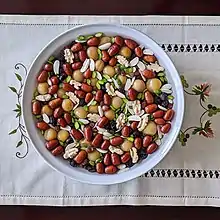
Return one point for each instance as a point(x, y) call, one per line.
point(116, 7)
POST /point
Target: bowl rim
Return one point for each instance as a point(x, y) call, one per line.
point(180, 119)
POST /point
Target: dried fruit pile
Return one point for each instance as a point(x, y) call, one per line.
point(104, 103)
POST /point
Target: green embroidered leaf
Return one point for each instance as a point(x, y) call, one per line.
point(13, 89)
point(18, 77)
point(196, 130)
point(13, 131)
point(184, 82)
point(76, 125)
point(16, 110)
point(207, 125)
point(19, 144)
point(18, 106)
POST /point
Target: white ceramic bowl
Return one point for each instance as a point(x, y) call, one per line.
point(62, 165)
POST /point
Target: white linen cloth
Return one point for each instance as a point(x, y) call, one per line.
point(187, 176)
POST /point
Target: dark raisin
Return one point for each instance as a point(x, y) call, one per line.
point(165, 103)
point(103, 88)
point(108, 126)
point(84, 163)
point(157, 100)
point(53, 121)
point(69, 140)
point(73, 163)
point(113, 125)
point(62, 77)
point(122, 90)
point(137, 134)
point(129, 163)
point(142, 154)
point(82, 102)
point(163, 96)
point(90, 168)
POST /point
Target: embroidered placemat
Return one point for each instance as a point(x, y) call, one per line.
point(189, 175)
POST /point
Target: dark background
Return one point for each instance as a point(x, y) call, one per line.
point(116, 7)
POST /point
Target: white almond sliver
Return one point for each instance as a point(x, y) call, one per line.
point(158, 142)
point(119, 94)
point(84, 121)
point(45, 118)
point(141, 66)
point(162, 108)
point(92, 65)
point(90, 102)
point(67, 128)
point(105, 46)
point(107, 134)
point(98, 76)
point(167, 91)
point(123, 170)
point(115, 83)
point(85, 65)
point(142, 76)
point(56, 66)
point(101, 113)
point(134, 61)
point(134, 118)
point(43, 98)
point(49, 82)
point(132, 81)
point(167, 86)
point(148, 52)
point(121, 166)
point(101, 151)
point(128, 85)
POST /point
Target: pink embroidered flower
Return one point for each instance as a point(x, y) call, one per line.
point(206, 88)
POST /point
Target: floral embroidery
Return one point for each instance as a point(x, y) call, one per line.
point(204, 127)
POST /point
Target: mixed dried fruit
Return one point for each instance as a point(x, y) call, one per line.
point(104, 103)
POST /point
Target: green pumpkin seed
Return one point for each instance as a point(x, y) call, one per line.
point(61, 143)
point(151, 117)
point(162, 79)
point(99, 34)
point(38, 116)
point(76, 125)
point(65, 96)
point(51, 59)
point(73, 120)
point(61, 85)
point(128, 70)
point(68, 79)
point(86, 107)
point(139, 96)
point(102, 82)
point(158, 92)
point(94, 74)
point(88, 37)
point(98, 86)
point(42, 132)
point(106, 77)
point(88, 81)
point(94, 102)
point(170, 97)
point(113, 40)
point(83, 147)
point(99, 160)
point(130, 139)
point(99, 54)
point(125, 100)
point(92, 163)
point(112, 108)
point(81, 37)
point(161, 74)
